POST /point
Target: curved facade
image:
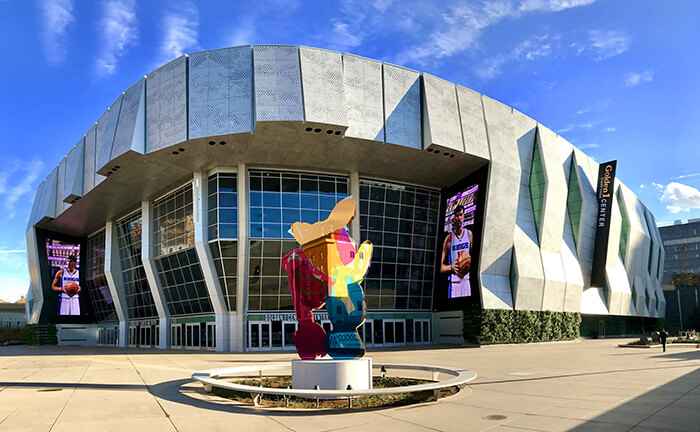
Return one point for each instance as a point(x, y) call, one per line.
point(182, 192)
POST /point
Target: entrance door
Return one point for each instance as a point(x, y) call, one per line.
point(367, 332)
point(133, 336)
point(601, 328)
point(394, 332)
point(259, 335)
point(211, 336)
point(193, 336)
point(421, 331)
point(288, 329)
point(176, 336)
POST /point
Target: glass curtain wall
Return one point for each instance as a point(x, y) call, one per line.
point(97, 288)
point(278, 199)
point(176, 259)
point(402, 223)
point(223, 232)
point(139, 300)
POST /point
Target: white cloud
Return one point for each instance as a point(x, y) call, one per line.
point(680, 197)
point(610, 129)
point(14, 275)
point(342, 37)
point(459, 28)
point(244, 33)
point(551, 5)
point(12, 251)
point(583, 111)
point(118, 25)
point(527, 50)
point(657, 186)
point(684, 176)
point(16, 181)
point(609, 43)
point(180, 32)
point(633, 79)
point(56, 16)
point(588, 146)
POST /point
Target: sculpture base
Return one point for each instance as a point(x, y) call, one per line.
point(331, 374)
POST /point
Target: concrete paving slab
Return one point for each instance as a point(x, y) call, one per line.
point(591, 385)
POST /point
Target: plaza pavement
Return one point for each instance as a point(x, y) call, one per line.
point(587, 385)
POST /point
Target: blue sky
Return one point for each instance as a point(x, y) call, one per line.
point(616, 78)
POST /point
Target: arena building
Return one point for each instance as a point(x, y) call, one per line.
point(177, 204)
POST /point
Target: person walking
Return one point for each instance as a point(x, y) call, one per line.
point(662, 337)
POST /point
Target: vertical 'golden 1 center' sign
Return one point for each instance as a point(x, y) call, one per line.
point(606, 190)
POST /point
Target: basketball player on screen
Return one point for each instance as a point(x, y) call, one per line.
point(67, 281)
point(456, 259)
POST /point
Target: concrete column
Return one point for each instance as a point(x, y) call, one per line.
point(113, 274)
point(238, 343)
point(149, 267)
point(355, 193)
point(200, 194)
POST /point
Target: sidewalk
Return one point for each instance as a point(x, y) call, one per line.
point(592, 385)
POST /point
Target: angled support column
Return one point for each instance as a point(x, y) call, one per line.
point(34, 276)
point(149, 267)
point(238, 342)
point(355, 193)
point(113, 274)
point(200, 193)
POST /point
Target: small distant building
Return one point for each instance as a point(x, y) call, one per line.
point(13, 315)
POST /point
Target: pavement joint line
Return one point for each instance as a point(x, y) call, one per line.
point(75, 386)
point(152, 395)
point(665, 406)
point(8, 416)
point(280, 423)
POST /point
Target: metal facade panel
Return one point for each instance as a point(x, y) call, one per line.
point(130, 132)
point(166, 105)
point(364, 98)
point(277, 78)
point(60, 179)
point(73, 182)
point(89, 163)
point(47, 205)
point(402, 115)
point(106, 127)
point(529, 274)
point(322, 83)
point(471, 114)
point(501, 206)
point(441, 125)
point(221, 92)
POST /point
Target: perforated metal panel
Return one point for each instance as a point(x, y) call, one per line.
point(221, 92)
point(73, 182)
point(402, 106)
point(363, 97)
point(44, 202)
point(106, 127)
point(89, 166)
point(130, 134)
point(440, 114)
point(322, 81)
point(473, 125)
point(166, 105)
point(277, 83)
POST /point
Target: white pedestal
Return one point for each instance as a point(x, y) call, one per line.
point(331, 374)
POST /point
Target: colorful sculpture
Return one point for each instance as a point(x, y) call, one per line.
point(328, 269)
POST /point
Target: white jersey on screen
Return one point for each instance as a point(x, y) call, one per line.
point(69, 305)
point(459, 286)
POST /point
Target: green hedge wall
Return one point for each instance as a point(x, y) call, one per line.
point(492, 326)
point(41, 334)
point(11, 334)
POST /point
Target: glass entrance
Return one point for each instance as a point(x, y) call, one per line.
point(259, 335)
point(366, 332)
point(288, 329)
point(421, 331)
point(394, 332)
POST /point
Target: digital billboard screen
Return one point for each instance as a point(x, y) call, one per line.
point(457, 245)
point(64, 264)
